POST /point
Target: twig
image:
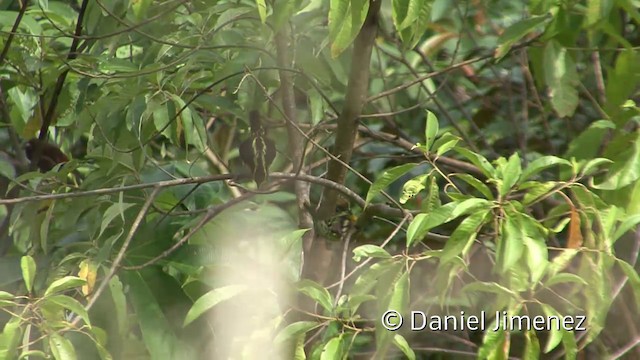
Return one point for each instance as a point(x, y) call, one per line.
point(618, 354)
point(364, 263)
point(343, 264)
point(427, 76)
point(107, 191)
point(205, 219)
point(597, 72)
point(116, 263)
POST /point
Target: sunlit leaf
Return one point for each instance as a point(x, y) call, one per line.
point(28, 266)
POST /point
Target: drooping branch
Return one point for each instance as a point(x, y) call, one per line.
point(356, 96)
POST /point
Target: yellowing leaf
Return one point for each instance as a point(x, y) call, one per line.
point(88, 272)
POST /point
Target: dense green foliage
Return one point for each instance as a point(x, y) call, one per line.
point(449, 157)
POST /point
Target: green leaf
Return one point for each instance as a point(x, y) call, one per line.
point(370, 251)
point(406, 12)
point(510, 245)
point(70, 304)
point(492, 344)
point(634, 280)
point(28, 266)
point(412, 187)
point(157, 332)
point(211, 299)
point(388, 176)
point(565, 278)
point(555, 335)
point(476, 184)
point(536, 190)
point(332, 349)
point(592, 165)
point(61, 347)
point(561, 78)
point(399, 12)
point(369, 277)
point(6, 296)
point(316, 292)
point(510, 174)
point(532, 346)
point(400, 296)
point(140, 8)
point(569, 344)
point(120, 304)
point(422, 223)
point(299, 353)
point(469, 206)
point(32, 354)
point(431, 130)
point(517, 31)
point(561, 261)
point(114, 210)
point(6, 168)
point(633, 204)
point(463, 236)
point(537, 257)
point(295, 329)
point(625, 226)
point(478, 160)
point(262, 10)
point(625, 170)
point(582, 146)
point(403, 345)
point(161, 119)
point(432, 200)
point(66, 283)
point(540, 164)
point(622, 82)
point(194, 132)
point(445, 147)
point(346, 18)
point(289, 240)
point(10, 338)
